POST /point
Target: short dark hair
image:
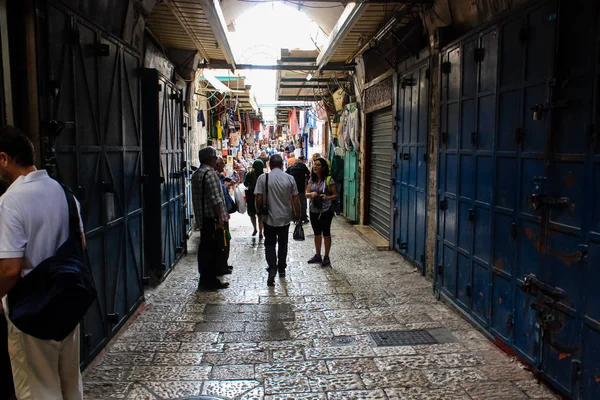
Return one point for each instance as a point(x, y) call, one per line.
point(206, 154)
point(17, 145)
point(276, 161)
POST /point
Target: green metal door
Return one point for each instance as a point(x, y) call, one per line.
point(351, 186)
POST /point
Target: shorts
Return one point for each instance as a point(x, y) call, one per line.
point(250, 203)
point(321, 222)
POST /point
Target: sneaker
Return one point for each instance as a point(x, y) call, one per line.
point(316, 259)
point(326, 262)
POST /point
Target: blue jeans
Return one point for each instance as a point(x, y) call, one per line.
point(276, 260)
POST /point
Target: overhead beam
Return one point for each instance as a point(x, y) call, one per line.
point(314, 80)
point(280, 67)
point(352, 12)
point(216, 20)
point(299, 59)
point(305, 86)
point(299, 98)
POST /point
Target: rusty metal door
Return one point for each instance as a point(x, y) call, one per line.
point(90, 116)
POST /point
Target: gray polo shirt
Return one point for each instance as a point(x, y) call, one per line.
point(282, 187)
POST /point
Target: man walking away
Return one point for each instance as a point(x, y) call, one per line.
point(34, 223)
point(280, 196)
point(301, 174)
point(211, 216)
point(226, 183)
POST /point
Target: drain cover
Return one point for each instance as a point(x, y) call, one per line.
point(343, 340)
point(402, 338)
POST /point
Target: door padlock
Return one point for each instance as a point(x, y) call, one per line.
point(538, 111)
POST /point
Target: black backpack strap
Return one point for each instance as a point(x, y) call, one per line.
point(73, 245)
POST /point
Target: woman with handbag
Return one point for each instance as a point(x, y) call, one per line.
point(250, 182)
point(321, 191)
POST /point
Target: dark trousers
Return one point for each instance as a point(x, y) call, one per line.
point(276, 235)
point(303, 201)
point(211, 252)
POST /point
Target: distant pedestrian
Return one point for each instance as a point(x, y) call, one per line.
point(264, 158)
point(211, 216)
point(250, 183)
point(301, 175)
point(278, 192)
point(321, 190)
point(34, 224)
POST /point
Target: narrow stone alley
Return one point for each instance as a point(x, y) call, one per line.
point(306, 338)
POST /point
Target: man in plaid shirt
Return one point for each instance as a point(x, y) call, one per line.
point(211, 216)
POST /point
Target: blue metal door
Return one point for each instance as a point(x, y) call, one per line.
point(91, 126)
point(518, 176)
point(410, 165)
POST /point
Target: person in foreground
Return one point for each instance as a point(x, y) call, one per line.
point(321, 190)
point(34, 223)
point(277, 191)
point(211, 216)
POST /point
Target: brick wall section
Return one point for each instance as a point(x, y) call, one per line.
point(432, 165)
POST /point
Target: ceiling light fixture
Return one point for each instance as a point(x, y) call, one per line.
point(308, 77)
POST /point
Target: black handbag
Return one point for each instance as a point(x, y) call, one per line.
point(50, 301)
point(298, 231)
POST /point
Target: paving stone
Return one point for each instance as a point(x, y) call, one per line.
point(450, 377)
point(494, 391)
point(535, 390)
point(289, 383)
point(228, 389)
point(232, 372)
point(237, 357)
point(175, 389)
point(106, 390)
point(254, 342)
point(351, 366)
point(406, 378)
point(329, 383)
point(258, 393)
point(237, 326)
point(161, 374)
point(179, 359)
point(357, 395)
point(128, 359)
point(425, 393)
point(322, 353)
point(297, 396)
point(307, 368)
point(285, 355)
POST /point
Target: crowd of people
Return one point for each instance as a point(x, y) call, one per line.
point(277, 188)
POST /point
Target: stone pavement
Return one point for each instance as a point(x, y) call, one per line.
point(254, 342)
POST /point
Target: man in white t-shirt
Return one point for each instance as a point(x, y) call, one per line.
point(34, 223)
point(280, 195)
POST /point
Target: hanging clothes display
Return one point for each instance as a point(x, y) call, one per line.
point(200, 118)
point(256, 125)
point(219, 130)
point(293, 122)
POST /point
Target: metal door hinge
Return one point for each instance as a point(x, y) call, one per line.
point(112, 318)
point(443, 204)
point(468, 291)
point(479, 54)
point(474, 137)
point(583, 254)
point(510, 321)
point(514, 230)
point(444, 137)
point(519, 135)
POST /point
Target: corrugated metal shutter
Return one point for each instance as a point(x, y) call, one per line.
point(380, 132)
